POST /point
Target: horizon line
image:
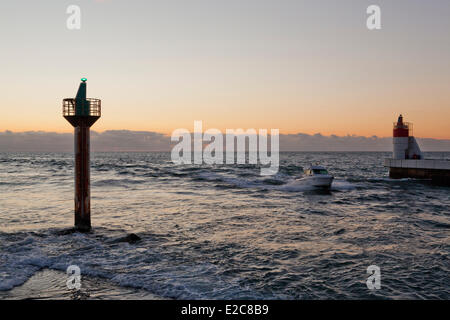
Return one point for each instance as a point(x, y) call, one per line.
point(168, 135)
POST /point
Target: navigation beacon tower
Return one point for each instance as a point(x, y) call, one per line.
point(82, 113)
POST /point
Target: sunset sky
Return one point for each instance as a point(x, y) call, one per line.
point(299, 66)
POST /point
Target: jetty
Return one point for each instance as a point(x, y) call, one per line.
point(408, 160)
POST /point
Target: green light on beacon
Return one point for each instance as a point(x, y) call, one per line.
point(83, 79)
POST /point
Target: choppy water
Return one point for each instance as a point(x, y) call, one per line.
point(225, 231)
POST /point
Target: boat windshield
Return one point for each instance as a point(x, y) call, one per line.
point(320, 171)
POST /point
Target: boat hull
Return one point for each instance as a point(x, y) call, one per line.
point(323, 182)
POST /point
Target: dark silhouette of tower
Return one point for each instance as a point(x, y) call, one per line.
point(82, 113)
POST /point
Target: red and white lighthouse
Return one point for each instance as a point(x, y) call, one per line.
point(405, 145)
point(400, 140)
point(408, 161)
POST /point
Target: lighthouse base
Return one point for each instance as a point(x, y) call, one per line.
point(436, 171)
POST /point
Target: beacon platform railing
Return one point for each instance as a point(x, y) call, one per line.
point(405, 125)
point(69, 107)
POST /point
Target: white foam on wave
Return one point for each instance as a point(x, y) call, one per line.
point(296, 186)
point(304, 185)
point(290, 185)
point(342, 185)
point(20, 261)
point(102, 256)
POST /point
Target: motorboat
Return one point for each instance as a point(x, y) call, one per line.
point(317, 176)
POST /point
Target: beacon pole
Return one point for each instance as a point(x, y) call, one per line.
point(82, 113)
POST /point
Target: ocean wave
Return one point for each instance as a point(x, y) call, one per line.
point(117, 182)
point(58, 250)
point(225, 231)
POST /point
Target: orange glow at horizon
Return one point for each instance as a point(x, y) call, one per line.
point(374, 125)
point(283, 108)
point(301, 67)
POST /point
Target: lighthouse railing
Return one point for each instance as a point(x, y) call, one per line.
point(405, 125)
point(69, 107)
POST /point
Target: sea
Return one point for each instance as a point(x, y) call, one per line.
point(225, 231)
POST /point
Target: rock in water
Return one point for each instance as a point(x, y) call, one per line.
point(131, 238)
